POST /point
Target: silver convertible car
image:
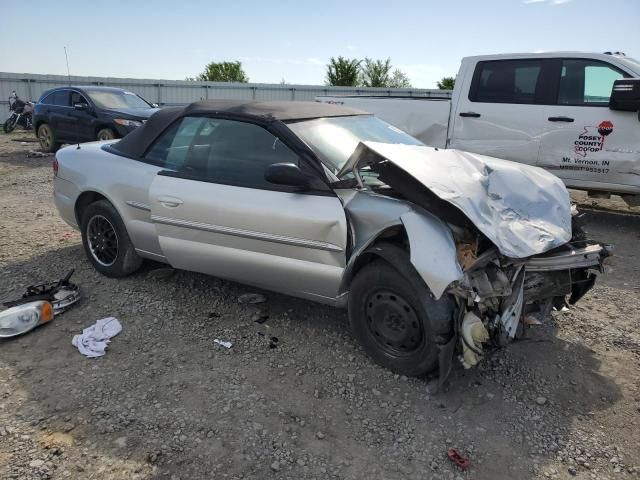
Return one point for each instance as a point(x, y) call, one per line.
point(437, 254)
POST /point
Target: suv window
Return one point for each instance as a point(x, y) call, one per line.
point(506, 81)
point(222, 151)
point(77, 97)
point(586, 82)
point(61, 98)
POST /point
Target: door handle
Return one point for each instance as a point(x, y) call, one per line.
point(170, 202)
point(560, 119)
point(470, 114)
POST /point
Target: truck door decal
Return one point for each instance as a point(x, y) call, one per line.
point(589, 142)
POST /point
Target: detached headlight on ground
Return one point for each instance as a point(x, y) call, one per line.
point(127, 123)
point(18, 320)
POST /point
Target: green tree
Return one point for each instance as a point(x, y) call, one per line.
point(446, 83)
point(343, 72)
point(224, 72)
point(376, 73)
point(399, 79)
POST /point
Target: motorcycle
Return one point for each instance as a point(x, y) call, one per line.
point(21, 114)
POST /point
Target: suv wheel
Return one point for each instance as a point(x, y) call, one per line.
point(396, 319)
point(106, 241)
point(105, 134)
point(47, 139)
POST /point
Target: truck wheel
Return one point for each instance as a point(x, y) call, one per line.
point(105, 134)
point(106, 241)
point(397, 320)
point(47, 139)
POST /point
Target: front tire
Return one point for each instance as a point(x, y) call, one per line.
point(105, 134)
point(106, 241)
point(396, 318)
point(10, 124)
point(47, 139)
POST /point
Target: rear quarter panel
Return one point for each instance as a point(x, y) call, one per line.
point(122, 181)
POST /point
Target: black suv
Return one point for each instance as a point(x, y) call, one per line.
point(84, 114)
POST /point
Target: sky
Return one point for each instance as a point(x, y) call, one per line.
point(293, 40)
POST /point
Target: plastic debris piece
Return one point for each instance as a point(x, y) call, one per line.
point(260, 317)
point(223, 343)
point(252, 298)
point(456, 457)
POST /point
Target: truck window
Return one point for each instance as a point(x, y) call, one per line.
point(506, 81)
point(586, 82)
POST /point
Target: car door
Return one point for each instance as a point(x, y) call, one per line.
point(81, 121)
point(215, 213)
point(504, 113)
point(587, 144)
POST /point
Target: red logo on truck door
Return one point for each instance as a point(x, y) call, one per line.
point(592, 138)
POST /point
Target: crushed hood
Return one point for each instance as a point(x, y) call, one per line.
point(523, 210)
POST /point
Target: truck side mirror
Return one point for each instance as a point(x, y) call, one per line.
point(625, 95)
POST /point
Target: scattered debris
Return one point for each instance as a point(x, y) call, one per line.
point(541, 401)
point(456, 457)
point(161, 273)
point(94, 339)
point(273, 342)
point(214, 315)
point(223, 343)
point(260, 317)
point(35, 153)
point(252, 298)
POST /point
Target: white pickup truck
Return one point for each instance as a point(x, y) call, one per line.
point(575, 114)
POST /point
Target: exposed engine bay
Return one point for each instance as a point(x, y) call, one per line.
point(499, 297)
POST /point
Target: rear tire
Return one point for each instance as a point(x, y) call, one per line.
point(105, 134)
point(396, 318)
point(47, 139)
point(106, 241)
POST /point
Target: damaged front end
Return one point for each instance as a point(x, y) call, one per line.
point(500, 296)
point(513, 253)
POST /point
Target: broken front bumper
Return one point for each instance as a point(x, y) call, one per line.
point(576, 265)
point(591, 256)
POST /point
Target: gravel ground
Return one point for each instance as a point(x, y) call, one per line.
point(167, 402)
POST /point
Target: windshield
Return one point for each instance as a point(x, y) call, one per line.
point(112, 100)
point(335, 139)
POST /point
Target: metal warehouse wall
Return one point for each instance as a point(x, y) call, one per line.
point(30, 86)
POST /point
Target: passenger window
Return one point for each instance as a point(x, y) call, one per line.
point(61, 98)
point(506, 81)
point(222, 151)
point(78, 98)
point(586, 82)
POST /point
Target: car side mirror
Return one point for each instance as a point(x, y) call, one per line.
point(625, 95)
point(81, 106)
point(286, 174)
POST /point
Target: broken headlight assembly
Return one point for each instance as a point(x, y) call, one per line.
point(62, 294)
point(23, 318)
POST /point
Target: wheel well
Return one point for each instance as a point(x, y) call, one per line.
point(36, 126)
point(395, 235)
point(84, 200)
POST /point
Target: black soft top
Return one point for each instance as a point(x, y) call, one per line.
point(138, 141)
